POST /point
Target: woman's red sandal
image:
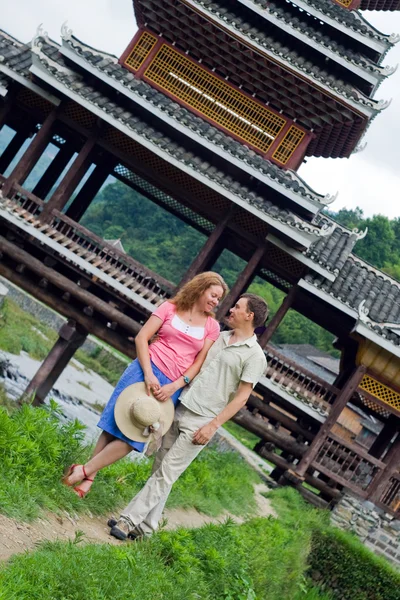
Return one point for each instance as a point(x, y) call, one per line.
point(69, 473)
point(79, 491)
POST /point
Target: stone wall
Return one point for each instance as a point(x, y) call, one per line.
point(378, 530)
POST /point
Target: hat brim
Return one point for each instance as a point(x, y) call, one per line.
point(122, 413)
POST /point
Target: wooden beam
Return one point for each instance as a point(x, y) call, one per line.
point(263, 430)
point(71, 179)
point(385, 436)
point(53, 171)
point(392, 462)
point(277, 318)
point(89, 190)
point(336, 408)
point(71, 337)
point(64, 307)
point(242, 282)
point(266, 410)
point(32, 153)
point(209, 252)
point(66, 285)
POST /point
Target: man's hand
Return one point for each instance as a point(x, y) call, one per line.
point(202, 436)
point(165, 392)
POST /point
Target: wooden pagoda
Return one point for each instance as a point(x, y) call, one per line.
point(209, 113)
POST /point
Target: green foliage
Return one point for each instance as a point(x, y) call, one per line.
point(381, 246)
point(247, 438)
point(35, 448)
point(339, 561)
point(255, 561)
point(21, 331)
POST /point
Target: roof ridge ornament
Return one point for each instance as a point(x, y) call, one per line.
point(363, 313)
point(329, 198)
point(360, 235)
point(394, 38)
point(387, 70)
point(360, 147)
point(66, 32)
point(327, 229)
point(40, 33)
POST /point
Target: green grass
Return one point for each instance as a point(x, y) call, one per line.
point(35, 448)
point(20, 331)
point(247, 438)
point(255, 561)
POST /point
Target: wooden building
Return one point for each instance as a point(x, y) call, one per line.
point(209, 113)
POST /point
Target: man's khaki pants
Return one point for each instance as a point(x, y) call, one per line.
point(175, 455)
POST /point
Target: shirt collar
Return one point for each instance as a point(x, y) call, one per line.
point(249, 342)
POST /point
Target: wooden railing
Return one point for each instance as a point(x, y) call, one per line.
point(390, 498)
point(348, 464)
point(87, 245)
point(298, 381)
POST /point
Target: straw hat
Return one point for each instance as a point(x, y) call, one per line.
point(140, 416)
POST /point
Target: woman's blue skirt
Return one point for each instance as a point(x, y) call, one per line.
point(132, 374)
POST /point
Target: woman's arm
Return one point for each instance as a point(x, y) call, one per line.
point(142, 339)
point(203, 435)
point(166, 391)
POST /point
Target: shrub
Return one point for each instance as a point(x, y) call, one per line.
point(349, 569)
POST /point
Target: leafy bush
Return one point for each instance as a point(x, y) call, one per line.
point(349, 569)
point(35, 448)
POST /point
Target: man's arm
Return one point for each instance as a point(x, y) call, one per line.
point(203, 435)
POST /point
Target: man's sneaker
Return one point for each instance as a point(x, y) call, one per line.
point(120, 530)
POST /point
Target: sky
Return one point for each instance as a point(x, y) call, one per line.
point(369, 179)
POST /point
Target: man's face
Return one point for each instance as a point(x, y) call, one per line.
point(239, 314)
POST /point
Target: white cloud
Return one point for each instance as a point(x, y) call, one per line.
point(370, 180)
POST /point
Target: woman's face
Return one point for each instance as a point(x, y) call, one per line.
point(210, 298)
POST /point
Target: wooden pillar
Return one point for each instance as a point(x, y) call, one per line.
point(208, 253)
point(12, 150)
point(71, 338)
point(392, 461)
point(32, 153)
point(277, 318)
point(53, 172)
point(385, 436)
point(69, 181)
point(6, 107)
point(85, 196)
point(336, 408)
point(241, 282)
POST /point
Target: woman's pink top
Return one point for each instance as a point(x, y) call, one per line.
point(178, 343)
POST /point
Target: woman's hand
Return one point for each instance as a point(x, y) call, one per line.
point(165, 392)
point(152, 384)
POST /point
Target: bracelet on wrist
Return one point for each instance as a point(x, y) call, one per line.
point(186, 379)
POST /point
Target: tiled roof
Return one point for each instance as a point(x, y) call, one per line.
point(352, 19)
point(332, 251)
point(358, 281)
point(14, 54)
point(108, 65)
point(318, 36)
point(337, 122)
point(53, 63)
point(380, 5)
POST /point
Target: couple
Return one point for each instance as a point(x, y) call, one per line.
point(188, 344)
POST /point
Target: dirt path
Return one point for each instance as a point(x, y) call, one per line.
point(16, 537)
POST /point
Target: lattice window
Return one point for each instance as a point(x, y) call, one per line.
point(275, 279)
point(164, 199)
point(345, 3)
point(380, 391)
point(251, 223)
point(141, 50)
point(32, 100)
point(285, 261)
point(288, 145)
point(80, 115)
point(214, 98)
point(167, 172)
point(377, 408)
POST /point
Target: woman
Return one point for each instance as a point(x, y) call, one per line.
point(185, 332)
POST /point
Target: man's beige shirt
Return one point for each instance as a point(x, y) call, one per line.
point(224, 368)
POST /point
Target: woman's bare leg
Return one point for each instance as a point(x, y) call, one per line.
point(103, 440)
point(104, 454)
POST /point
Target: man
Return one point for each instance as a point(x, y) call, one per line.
point(232, 368)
